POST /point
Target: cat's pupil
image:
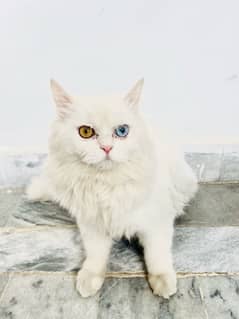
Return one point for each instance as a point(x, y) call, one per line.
point(122, 130)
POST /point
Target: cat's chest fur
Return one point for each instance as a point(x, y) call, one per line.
point(105, 197)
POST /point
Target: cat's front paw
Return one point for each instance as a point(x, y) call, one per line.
point(88, 283)
point(37, 190)
point(164, 285)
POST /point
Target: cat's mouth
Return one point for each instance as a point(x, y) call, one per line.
point(106, 163)
point(107, 157)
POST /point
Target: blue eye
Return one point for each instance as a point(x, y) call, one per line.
point(122, 130)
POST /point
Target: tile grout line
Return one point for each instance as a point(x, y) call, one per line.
point(221, 167)
point(139, 274)
point(202, 297)
point(6, 286)
point(36, 228)
point(203, 226)
point(218, 181)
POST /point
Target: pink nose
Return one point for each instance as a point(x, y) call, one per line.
point(106, 148)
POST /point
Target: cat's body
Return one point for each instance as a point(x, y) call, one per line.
point(136, 186)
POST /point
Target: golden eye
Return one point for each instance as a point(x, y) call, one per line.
point(86, 131)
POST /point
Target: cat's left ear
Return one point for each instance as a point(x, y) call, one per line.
point(62, 99)
point(133, 96)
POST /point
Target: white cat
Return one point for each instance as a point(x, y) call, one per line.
point(116, 176)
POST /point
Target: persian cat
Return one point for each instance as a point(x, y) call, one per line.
point(117, 176)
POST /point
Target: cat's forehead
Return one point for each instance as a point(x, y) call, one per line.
point(106, 111)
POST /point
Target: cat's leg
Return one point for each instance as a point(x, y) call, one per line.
point(158, 257)
point(97, 248)
point(38, 189)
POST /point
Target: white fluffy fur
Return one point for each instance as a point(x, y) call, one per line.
point(139, 190)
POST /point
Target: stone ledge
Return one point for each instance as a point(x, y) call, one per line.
point(17, 170)
point(221, 199)
point(204, 249)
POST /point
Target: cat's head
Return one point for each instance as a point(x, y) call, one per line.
point(99, 130)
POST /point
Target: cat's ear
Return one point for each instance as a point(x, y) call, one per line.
point(62, 99)
point(133, 96)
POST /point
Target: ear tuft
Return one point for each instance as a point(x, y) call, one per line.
point(133, 96)
point(62, 99)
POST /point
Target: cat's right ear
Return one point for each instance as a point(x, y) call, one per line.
point(133, 96)
point(62, 99)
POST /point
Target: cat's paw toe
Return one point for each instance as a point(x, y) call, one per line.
point(164, 285)
point(88, 283)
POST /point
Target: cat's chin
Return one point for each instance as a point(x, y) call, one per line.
point(106, 164)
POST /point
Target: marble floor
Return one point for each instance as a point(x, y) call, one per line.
point(41, 250)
